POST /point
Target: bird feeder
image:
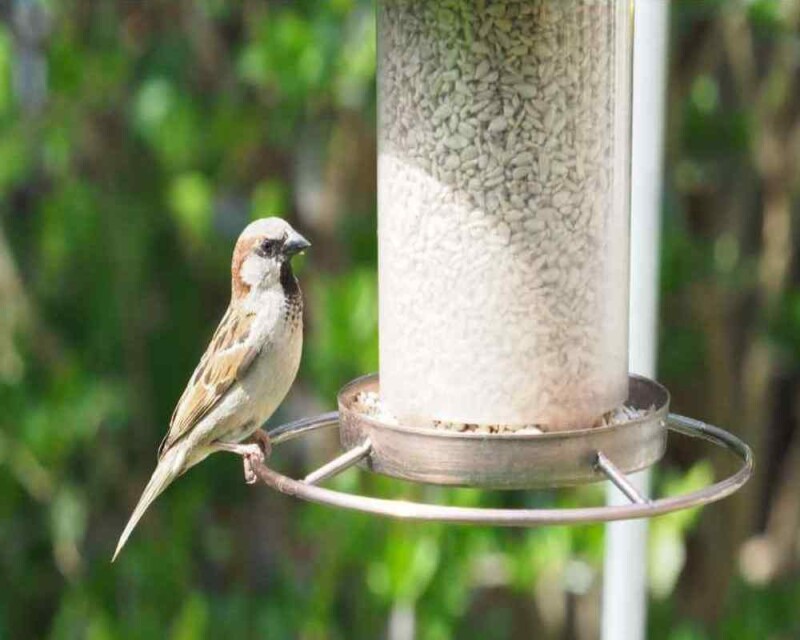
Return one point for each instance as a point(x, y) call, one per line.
point(503, 225)
point(503, 204)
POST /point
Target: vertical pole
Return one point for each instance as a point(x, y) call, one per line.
point(625, 572)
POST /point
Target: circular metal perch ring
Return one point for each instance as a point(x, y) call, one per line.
point(639, 508)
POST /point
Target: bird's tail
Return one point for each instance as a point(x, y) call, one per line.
point(166, 471)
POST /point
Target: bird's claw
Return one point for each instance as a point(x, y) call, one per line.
point(252, 456)
point(255, 453)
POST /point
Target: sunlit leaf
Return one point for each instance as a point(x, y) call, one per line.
point(192, 621)
point(191, 202)
point(269, 199)
point(6, 62)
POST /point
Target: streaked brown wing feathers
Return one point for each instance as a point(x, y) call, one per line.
point(226, 360)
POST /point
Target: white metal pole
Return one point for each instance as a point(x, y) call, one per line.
point(625, 573)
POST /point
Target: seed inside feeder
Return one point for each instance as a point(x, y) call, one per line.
point(369, 404)
point(503, 199)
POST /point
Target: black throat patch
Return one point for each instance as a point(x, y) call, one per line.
point(288, 281)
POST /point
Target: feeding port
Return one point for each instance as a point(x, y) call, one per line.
point(511, 460)
point(503, 223)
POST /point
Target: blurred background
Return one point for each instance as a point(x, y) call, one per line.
point(138, 138)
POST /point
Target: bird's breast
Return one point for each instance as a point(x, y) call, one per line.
point(275, 367)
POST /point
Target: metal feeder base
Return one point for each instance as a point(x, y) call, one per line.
point(507, 460)
point(587, 455)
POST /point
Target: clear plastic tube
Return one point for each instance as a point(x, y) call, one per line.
point(504, 180)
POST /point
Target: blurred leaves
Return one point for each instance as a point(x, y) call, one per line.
point(121, 199)
point(192, 621)
point(407, 568)
point(345, 339)
point(667, 549)
point(269, 199)
point(6, 69)
point(191, 201)
point(287, 53)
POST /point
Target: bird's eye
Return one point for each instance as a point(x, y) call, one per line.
point(268, 247)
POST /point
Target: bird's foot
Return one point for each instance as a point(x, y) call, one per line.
point(261, 438)
point(252, 455)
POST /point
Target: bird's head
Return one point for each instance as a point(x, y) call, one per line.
point(262, 255)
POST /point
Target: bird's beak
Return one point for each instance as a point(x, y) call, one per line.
point(295, 243)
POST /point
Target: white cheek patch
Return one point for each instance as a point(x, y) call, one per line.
point(255, 270)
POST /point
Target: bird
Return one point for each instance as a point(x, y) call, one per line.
point(247, 369)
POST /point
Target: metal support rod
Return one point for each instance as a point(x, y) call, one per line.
point(620, 480)
point(624, 614)
point(302, 426)
point(337, 465)
point(520, 517)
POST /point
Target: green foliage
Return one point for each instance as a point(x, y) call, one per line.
point(345, 340)
point(667, 549)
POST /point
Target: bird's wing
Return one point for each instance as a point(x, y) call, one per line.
point(227, 359)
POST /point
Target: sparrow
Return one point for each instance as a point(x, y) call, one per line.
point(247, 369)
